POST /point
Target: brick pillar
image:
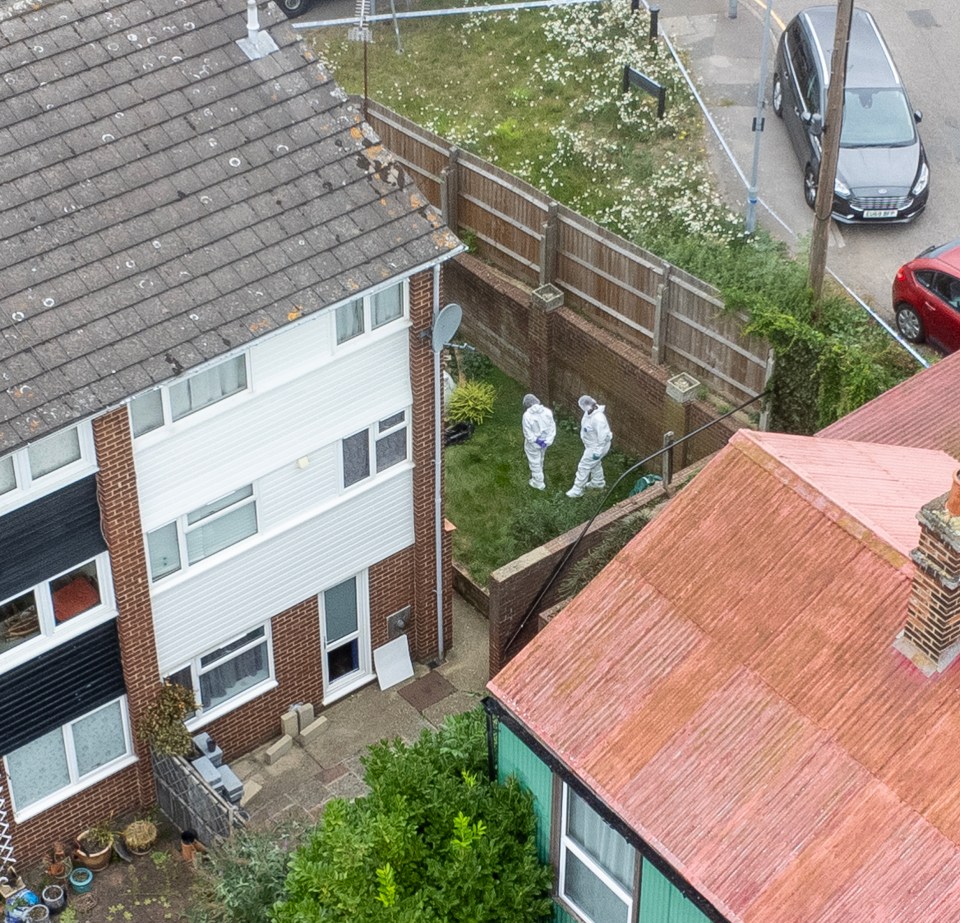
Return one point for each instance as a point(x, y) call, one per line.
point(424, 641)
point(933, 610)
point(120, 520)
point(543, 302)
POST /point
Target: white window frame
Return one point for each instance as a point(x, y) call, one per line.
point(364, 673)
point(204, 716)
point(78, 784)
point(166, 404)
point(184, 528)
point(53, 632)
point(568, 845)
point(374, 435)
point(367, 314)
point(28, 487)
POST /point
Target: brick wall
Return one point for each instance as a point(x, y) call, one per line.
point(578, 357)
point(424, 642)
point(514, 587)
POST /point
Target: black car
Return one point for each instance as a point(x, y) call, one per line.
point(294, 7)
point(882, 171)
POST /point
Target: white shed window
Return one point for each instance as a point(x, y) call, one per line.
point(597, 865)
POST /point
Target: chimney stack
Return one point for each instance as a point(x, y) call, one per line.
point(931, 637)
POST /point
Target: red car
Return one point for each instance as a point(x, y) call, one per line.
point(926, 297)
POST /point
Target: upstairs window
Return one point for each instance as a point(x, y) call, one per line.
point(40, 610)
point(375, 448)
point(48, 456)
point(203, 532)
point(166, 405)
point(369, 313)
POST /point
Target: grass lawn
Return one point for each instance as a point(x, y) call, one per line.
point(497, 514)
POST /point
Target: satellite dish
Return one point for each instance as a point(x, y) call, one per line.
point(445, 326)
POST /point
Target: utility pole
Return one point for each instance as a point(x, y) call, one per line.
point(830, 147)
point(750, 223)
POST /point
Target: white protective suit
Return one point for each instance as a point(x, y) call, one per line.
point(596, 437)
point(539, 431)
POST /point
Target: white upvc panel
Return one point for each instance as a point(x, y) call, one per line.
point(190, 465)
point(278, 570)
point(296, 351)
point(299, 487)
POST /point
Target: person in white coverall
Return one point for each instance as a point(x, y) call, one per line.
point(596, 436)
point(539, 431)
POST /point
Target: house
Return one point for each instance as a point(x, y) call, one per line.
point(216, 415)
point(752, 713)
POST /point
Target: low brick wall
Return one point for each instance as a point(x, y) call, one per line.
point(514, 587)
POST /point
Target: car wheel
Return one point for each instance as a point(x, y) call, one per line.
point(777, 96)
point(810, 186)
point(293, 7)
point(909, 323)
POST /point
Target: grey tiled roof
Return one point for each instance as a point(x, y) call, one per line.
point(164, 199)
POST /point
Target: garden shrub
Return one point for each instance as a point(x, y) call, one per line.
point(435, 840)
point(471, 402)
point(545, 517)
point(240, 879)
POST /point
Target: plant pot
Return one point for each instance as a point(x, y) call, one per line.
point(37, 913)
point(96, 858)
point(81, 880)
point(55, 897)
point(140, 836)
point(457, 433)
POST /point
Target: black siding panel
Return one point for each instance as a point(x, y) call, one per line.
point(60, 685)
point(49, 536)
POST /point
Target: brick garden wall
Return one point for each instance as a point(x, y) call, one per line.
point(561, 355)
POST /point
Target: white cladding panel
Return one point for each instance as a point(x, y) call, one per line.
point(206, 455)
point(248, 587)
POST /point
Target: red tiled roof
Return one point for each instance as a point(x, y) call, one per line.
point(729, 687)
point(921, 412)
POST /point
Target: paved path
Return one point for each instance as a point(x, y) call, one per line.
point(302, 781)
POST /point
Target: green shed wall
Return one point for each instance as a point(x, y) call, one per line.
point(662, 902)
point(515, 758)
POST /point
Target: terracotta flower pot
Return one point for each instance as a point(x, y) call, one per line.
point(98, 857)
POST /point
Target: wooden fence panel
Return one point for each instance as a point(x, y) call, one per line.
point(709, 342)
point(611, 280)
point(505, 214)
point(608, 277)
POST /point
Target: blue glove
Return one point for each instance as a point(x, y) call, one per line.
point(596, 457)
point(541, 442)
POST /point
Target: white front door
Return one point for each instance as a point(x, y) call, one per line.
point(345, 637)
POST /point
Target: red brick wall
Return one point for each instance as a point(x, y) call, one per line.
point(582, 358)
point(424, 642)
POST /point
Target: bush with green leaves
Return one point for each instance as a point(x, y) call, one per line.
point(241, 878)
point(471, 402)
point(434, 840)
point(545, 517)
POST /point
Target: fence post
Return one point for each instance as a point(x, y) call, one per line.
point(767, 375)
point(549, 245)
point(450, 190)
point(661, 318)
point(666, 460)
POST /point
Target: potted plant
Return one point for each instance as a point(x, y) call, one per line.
point(140, 835)
point(36, 913)
point(93, 846)
point(161, 724)
point(55, 897)
point(469, 404)
point(58, 863)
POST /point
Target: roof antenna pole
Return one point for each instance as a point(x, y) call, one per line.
point(361, 33)
point(257, 44)
point(253, 21)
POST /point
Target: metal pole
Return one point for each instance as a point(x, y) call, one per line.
point(830, 147)
point(751, 219)
point(654, 22)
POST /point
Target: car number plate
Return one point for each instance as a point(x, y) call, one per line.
point(880, 213)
